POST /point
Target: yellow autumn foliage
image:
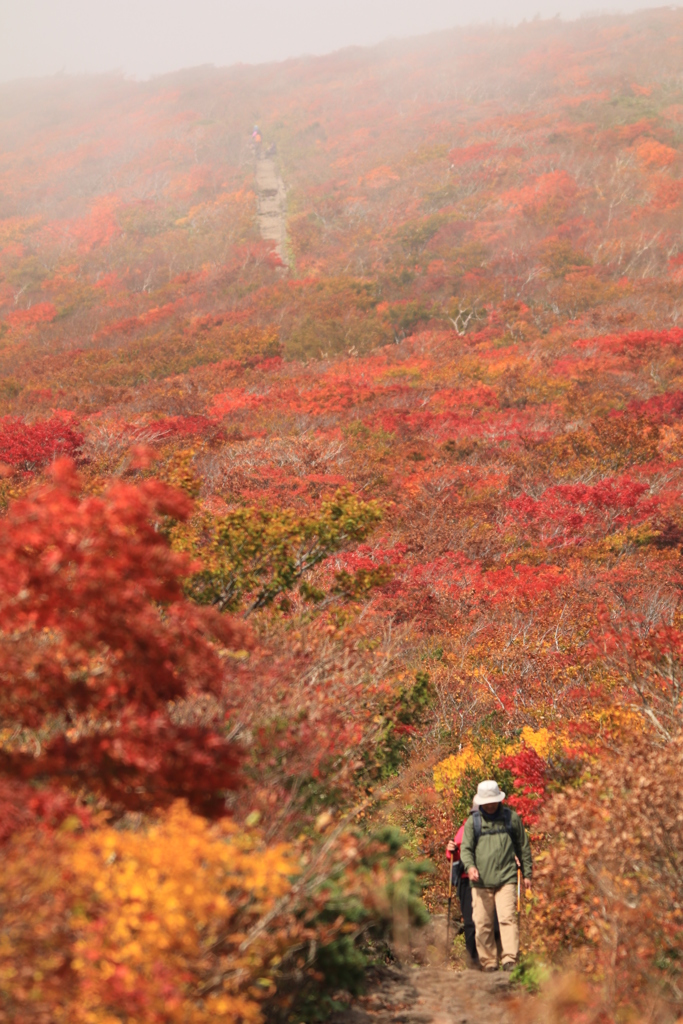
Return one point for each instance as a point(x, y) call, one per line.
point(160, 925)
point(541, 740)
point(447, 773)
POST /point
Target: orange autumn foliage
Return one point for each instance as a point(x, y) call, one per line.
point(609, 885)
point(148, 924)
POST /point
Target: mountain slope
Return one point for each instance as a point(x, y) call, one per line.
point(458, 408)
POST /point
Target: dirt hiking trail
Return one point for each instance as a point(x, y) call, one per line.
point(431, 991)
point(272, 205)
point(431, 995)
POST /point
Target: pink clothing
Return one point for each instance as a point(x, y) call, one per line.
point(457, 839)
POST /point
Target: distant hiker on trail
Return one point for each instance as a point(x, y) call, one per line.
point(464, 891)
point(494, 845)
point(256, 140)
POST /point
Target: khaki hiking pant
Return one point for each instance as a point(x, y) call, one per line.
point(485, 904)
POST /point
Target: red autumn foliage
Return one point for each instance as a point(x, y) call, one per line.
point(41, 313)
point(23, 807)
point(96, 632)
point(181, 426)
point(30, 446)
point(530, 773)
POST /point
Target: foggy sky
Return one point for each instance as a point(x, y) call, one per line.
point(149, 37)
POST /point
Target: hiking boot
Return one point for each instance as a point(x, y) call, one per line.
point(489, 970)
point(509, 967)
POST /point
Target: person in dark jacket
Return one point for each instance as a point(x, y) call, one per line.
point(464, 892)
point(494, 845)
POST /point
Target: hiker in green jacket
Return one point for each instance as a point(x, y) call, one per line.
point(494, 845)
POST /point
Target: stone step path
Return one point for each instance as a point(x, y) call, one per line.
point(272, 206)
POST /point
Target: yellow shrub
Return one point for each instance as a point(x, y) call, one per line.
point(448, 773)
point(541, 741)
point(144, 926)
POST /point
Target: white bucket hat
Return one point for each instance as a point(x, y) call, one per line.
point(488, 793)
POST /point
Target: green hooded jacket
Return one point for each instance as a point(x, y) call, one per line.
point(494, 856)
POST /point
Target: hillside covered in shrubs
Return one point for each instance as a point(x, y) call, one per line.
point(294, 555)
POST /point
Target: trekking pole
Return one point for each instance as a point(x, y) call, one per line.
point(450, 900)
point(519, 906)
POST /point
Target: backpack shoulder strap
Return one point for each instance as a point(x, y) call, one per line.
point(507, 821)
point(476, 824)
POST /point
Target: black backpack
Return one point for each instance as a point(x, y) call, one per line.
point(507, 825)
